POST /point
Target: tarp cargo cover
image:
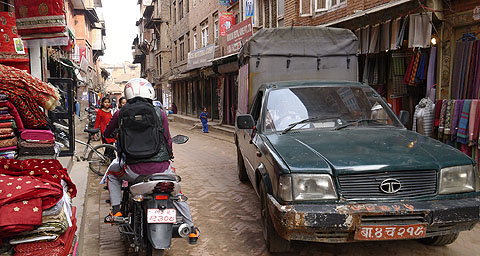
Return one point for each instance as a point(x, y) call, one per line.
point(300, 41)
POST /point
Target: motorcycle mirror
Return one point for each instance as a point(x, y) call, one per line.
point(180, 139)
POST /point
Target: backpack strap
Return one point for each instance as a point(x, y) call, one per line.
point(158, 111)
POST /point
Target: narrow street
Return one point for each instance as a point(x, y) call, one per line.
point(227, 211)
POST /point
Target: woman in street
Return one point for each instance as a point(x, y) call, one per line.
point(103, 117)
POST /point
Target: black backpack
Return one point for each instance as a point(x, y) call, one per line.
point(141, 133)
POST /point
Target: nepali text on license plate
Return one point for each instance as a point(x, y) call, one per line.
point(390, 232)
point(161, 216)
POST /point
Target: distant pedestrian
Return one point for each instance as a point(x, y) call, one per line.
point(174, 108)
point(204, 118)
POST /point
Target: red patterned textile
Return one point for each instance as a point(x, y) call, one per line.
point(26, 188)
point(12, 51)
point(12, 79)
point(22, 200)
point(50, 171)
point(13, 111)
point(59, 247)
point(40, 16)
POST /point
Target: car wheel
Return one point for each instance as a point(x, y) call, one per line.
point(440, 240)
point(275, 243)
point(242, 171)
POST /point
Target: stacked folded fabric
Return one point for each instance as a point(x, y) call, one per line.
point(10, 122)
point(36, 143)
point(35, 205)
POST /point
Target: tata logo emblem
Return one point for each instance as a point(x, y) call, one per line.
point(390, 186)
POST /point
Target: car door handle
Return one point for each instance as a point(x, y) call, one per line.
point(258, 153)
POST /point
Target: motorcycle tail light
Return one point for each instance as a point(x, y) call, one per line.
point(164, 187)
point(161, 197)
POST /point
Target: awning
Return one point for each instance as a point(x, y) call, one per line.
point(225, 59)
point(361, 13)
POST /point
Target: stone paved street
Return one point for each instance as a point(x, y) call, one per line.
point(227, 211)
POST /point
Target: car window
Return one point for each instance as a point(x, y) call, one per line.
point(256, 106)
point(329, 106)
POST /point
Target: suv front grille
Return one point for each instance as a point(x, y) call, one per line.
point(367, 185)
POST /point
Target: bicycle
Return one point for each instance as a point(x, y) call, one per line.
point(97, 160)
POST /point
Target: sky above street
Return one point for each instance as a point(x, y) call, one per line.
point(120, 17)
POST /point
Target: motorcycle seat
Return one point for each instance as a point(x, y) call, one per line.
point(92, 131)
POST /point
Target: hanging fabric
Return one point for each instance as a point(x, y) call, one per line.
point(12, 50)
point(448, 117)
point(358, 33)
point(385, 36)
point(462, 132)
point(395, 31)
point(420, 30)
point(374, 38)
point(365, 39)
point(401, 34)
point(457, 69)
point(456, 118)
point(471, 120)
point(431, 80)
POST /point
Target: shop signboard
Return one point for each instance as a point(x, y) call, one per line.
point(238, 34)
point(227, 20)
point(201, 57)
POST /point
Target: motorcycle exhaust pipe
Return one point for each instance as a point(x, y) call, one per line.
point(183, 230)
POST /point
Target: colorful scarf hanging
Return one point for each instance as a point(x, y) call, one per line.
point(462, 132)
point(441, 125)
point(448, 117)
point(456, 118)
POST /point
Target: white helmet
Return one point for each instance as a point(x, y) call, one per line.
point(139, 87)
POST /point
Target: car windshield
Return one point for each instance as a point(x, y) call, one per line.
point(326, 107)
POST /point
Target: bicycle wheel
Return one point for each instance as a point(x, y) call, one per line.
point(98, 161)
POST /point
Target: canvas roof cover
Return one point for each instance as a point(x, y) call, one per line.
point(300, 41)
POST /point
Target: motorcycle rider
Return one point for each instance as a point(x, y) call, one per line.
point(140, 89)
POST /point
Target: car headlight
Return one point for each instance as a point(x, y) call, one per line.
point(457, 179)
point(306, 187)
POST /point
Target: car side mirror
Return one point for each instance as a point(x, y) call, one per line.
point(180, 139)
point(404, 117)
point(245, 122)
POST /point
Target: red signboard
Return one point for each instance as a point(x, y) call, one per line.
point(238, 34)
point(227, 20)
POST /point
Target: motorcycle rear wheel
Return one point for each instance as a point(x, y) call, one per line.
point(154, 252)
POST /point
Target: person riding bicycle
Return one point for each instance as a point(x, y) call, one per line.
point(139, 93)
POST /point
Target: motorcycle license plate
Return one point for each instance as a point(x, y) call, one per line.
point(391, 232)
point(161, 216)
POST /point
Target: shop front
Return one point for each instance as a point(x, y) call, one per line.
point(456, 117)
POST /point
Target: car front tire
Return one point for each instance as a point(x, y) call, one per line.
point(274, 242)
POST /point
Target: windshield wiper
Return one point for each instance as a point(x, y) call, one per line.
point(311, 119)
point(356, 122)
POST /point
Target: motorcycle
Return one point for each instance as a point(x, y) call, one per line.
point(151, 220)
point(91, 115)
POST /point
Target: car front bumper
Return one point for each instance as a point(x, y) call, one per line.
point(337, 223)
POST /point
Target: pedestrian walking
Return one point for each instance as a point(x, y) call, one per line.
point(204, 119)
point(103, 117)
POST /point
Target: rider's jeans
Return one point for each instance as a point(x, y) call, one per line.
point(115, 188)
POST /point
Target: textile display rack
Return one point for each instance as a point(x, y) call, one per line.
point(457, 120)
point(35, 190)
